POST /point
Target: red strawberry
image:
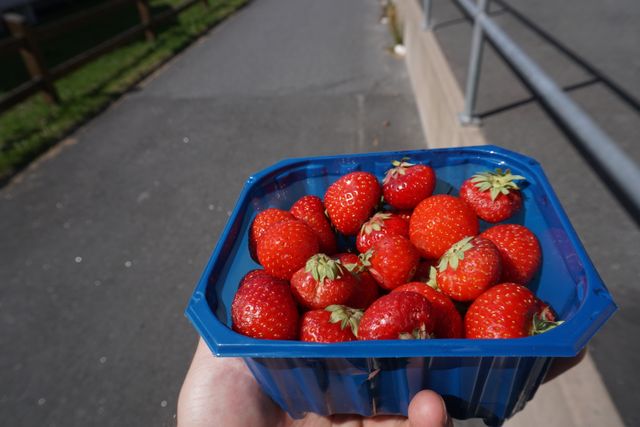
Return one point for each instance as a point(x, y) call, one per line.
point(311, 210)
point(519, 249)
point(351, 261)
point(259, 275)
point(508, 310)
point(398, 315)
point(440, 221)
point(286, 247)
point(380, 224)
point(494, 196)
point(392, 261)
point(351, 200)
point(448, 322)
point(406, 184)
point(468, 268)
point(265, 309)
point(335, 323)
point(261, 224)
point(322, 282)
point(366, 293)
point(367, 290)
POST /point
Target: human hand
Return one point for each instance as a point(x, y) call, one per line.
point(222, 392)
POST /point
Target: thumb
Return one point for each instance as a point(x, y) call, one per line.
point(427, 409)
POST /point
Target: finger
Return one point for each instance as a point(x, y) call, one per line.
point(427, 409)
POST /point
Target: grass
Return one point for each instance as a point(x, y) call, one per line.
point(33, 126)
point(395, 29)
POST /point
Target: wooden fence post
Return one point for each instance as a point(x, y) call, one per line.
point(31, 55)
point(145, 19)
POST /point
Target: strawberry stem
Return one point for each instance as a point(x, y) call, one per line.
point(543, 322)
point(433, 273)
point(399, 168)
point(497, 182)
point(345, 316)
point(353, 268)
point(376, 222)
point(365, 259)
point(455, 254)
point(322, 267)
point(419, 333)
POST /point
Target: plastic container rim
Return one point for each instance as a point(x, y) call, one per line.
point(565, 340)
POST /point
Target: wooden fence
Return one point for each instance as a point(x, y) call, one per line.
point(26, 40)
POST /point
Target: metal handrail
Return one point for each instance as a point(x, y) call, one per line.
point(614, 163)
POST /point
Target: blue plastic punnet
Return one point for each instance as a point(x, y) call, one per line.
point(489, 379)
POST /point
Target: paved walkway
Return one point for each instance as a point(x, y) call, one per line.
point(105, 238)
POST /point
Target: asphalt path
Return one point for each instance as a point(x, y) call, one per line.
point(105, 237)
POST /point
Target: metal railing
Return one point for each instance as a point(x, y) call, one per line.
point(621, 172)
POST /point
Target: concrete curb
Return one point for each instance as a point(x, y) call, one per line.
point(438, 95)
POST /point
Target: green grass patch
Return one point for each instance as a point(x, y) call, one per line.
point(33, 126)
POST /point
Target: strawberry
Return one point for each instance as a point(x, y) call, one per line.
point(448, 322)
point(265, 309)
point(398, 315)
point(494, 196)
point(468, 268)
point(311, 210)
point(258, 275)
point(380, 224)
point(519, 249)
point(261, 224)
point(392, 261)
point(351, 200)
point(322, 282)
point(508, 310)
point(335, 323)
point(285, 248)
point(351, 261)
point(440, 221)
point(366, 293)
point(405, 185)
point(367, 290)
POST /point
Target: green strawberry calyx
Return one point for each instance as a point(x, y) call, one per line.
point(354, 268)
point(399, 168)
point(497, 182)
point(365, 259)
point(433, 273)
point(419, 333)
point(544, 321)
point(345, 316)
point(375, 223)
point(322, 267)
point(455, 254)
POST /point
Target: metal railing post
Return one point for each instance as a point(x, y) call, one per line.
point(473, 73)
point(621, 172)
point(426, 9)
